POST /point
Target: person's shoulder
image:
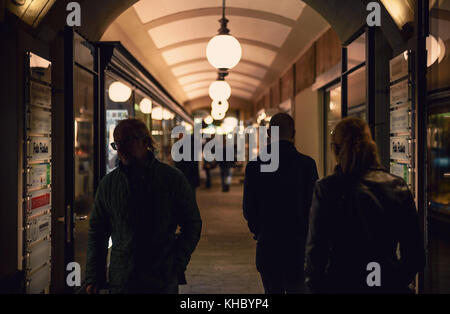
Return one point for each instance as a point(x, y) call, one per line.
point(383, 177)
point(307, 160)
point(168, 172)
point(330, 181)
point(110, 177)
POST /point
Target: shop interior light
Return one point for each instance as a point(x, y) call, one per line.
point(435, 50)
point(157, 113)
point(219, 90)
point(119, 92)
point(145, 106)
point(223, 50)
point(167, 115)
point(209, 120)
point(220, 105)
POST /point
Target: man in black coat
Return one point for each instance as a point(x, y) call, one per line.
point(276, 206)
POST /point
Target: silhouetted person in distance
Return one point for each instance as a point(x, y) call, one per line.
point(359, 215)
point(276, 206)
point(140, 204)
point(189, 167)
point(226, 166)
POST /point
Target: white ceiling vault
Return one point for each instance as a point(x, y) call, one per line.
point(170, 36)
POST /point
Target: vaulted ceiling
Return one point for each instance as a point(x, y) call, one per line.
point(169, 38)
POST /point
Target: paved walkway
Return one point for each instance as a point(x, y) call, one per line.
point(224, 260)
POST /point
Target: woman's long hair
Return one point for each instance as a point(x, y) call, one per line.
point(353, 146)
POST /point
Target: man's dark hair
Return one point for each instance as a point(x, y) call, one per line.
point(285, 123)
point(134, 128)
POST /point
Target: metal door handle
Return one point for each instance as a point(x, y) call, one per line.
point(81, 218)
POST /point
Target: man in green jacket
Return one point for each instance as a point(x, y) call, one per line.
point(140, 205)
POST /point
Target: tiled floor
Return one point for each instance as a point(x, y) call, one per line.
point(224, 260)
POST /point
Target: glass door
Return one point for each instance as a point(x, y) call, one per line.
point(83, 160)
point(333, 114)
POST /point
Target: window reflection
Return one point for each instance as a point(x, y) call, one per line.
point(439, 165)
point(333, 116)
point(439, 46)
point(84, 140)
point(357, 94)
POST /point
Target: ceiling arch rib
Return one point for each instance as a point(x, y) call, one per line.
point(205, 92)
point(205, 41)
point(205, 84)
point(250, 79)
point(248, 67)
point(211, 75)
point(255, 30)
point(150, 10)
point(192, 52)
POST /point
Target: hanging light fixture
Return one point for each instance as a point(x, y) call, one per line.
point(145, 106)
point(224, 51)
point(217, 115)
point(220, 105)
point(220, 90)
point(119, 92)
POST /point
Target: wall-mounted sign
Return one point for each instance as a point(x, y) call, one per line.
point(40, 121)
point(39, 148)
point(400, 148)
point(401, 170)
point(39, 281)
point(398, 67)
point(400, 120)
point(34, 240)
point(400, 93)
point(40, 95)
point(39, 176)
point(38, 254)
point(38, 228)
point(39, 201)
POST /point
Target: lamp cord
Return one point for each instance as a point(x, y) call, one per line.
point(223, 10)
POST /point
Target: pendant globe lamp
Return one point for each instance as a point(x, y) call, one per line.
point(223, 50)
point(220, 105)
point(220, 90)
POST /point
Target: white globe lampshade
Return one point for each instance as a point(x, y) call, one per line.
point(119, 92)
point(217, 115)
point(157, 113)
point(219, 90)
point(209, 120)
point(220, 105)
point(167, 115)
point(224, 51)
point(146, 106)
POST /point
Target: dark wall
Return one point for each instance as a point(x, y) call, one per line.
point(15, 42)
point(9, 77)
